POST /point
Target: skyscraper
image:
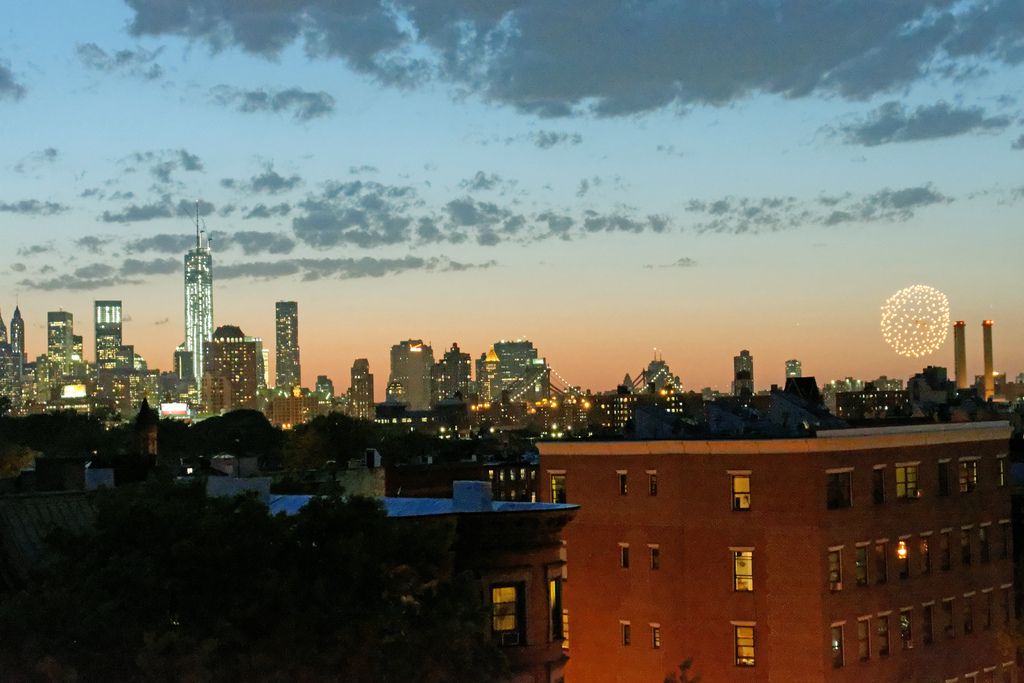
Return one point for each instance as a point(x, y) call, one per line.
point(286, 351)
point(107, 320)
point(411, 365)
point(960, 354)
point(60, 339)
point(198, 301)
point(990, 380)
point(3, 330)
point(360, 393)
point(452, 375)
point(743, 374)
point(515, 367)
point(18, 337)
point(233, 370)
point(794, 368)
point(324, 387)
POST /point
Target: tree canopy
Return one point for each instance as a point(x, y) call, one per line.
point(171, 585)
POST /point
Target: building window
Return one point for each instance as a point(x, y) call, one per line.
point(864, 639)
point(968, 614)
point(906, 629)
point(944, 478)
point(743, 570)
point(656, 636)
point(906, 482)
point(655, 557)
point(903, 559)
point(986, 614)
point(627, 633)
point(837, 647)
point(555, 608)
point(948, 627)
point(983, 544)
point(835, 570)
point(623, 484)
point(508, 608)
point(925, 554)
point(744, 639)
point(965, 547)
point(861, 565)
point(881, 564)
point(927, 634)
point(945, 561)
point(1001, 470)
point(558, 488)
point(1007, 608)
point(878, 485)
point(565, 629)
point(741, 492)
point(882, 635)
point(652, 483)
point(624, 555)
point(968, 471)
point(839, 491)
point(1004, 547)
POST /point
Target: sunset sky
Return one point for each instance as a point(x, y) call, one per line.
point(603, 178)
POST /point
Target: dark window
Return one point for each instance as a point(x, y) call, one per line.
point(835, 570)
point(864, 640)
point(837, 647)
point(861, 565)
point(927, 635)
point(839, 492)
point(623, 484)
point(652, 484)
point(983, 545)
point(627, 634)
point(986, 615)
point(948, 627)
point(1007, 608)
point(945, 561)
point(624, 556)
point(555, 608)
point(881, 564)
point(965, 547)
point(944, 478)
point(878, 486)
point(508, 613)
point(882, 633)
point(926, 556)
point(968, 614)
point(655, 558)
point(558, 488)
point(1004, 547)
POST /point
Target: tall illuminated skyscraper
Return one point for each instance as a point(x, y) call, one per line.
point(198, 301)
point(107, 319)
point(288, 372)
point(18, 336)
point(60, 339)
point(990, 378)
point(360, 394)
point(743, 374)
point(794, 368)
point(960, 354)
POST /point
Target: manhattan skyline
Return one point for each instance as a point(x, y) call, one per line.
point(769, 213)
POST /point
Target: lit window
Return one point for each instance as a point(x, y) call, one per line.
point(839, 492)
point(652, 483)
point(656, 636)
point(903, 559)
point(507, 608)
point(924, 553)
point(744, 639)
point(968, 470)
point(906, 482)
point(555, 608)
point(558, 488)
point(906, 629)
point(836, 646)
point(835, 570)
point(743, 570)
point(741, 492)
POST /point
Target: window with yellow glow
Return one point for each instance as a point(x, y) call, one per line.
point(906, 482)
point(741, 492)
point(743, 570)
point(744, 637)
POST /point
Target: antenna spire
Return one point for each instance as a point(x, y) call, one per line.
point(198, 243)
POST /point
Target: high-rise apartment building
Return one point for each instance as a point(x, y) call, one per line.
point(452, 375)
point(60, 339)
point(18, 336)
point(360, 392)
point(960, 354)
point(286, 351)
point(411, 364)
point(233, 370)
point(857, 555)
point(3, 331)
point(794, 368)
point(107, 322)
point(990, 378)
point(743, 374)
point(198, 302)
point(514, 367)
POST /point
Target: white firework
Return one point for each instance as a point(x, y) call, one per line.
point(915, 320)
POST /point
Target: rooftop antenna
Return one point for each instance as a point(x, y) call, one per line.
point(198, 242)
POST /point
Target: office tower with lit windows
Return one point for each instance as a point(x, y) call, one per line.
point(360, 392)
point(198, 303)
point(60, 339)
point(286, 351)
point(514, 367)
point(960, 354)
point(233, 370)
point(743, 374)
point(990, 380)
point(18, 337)
point(411, 364)
point(452, 375)
point(794, 368)
point(107, 321)
point(324, 387)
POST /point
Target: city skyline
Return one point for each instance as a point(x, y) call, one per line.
point(397, 192)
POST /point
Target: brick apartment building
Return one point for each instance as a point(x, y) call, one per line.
point(876, 555)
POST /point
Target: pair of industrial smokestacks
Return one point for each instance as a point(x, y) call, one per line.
point(960, 357)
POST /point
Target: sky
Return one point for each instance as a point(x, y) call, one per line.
point(603, 178)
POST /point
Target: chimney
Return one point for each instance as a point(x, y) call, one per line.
point(960, 354)
point(989, 380)
point(471, 496)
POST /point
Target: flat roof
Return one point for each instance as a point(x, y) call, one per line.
point(869, 438)
point(421, 507)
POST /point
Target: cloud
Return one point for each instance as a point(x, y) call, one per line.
point(37, 159)
point(35, 250)
point(32, 207)
point(10, 88)
point(159, 266)
point(546, 139)
point(264, 211)
point(617, 58)
point(1018, 143)
point(889, 205)
point(249, 241)
point(343, 268)
point(359, 213)
point(892, 122)
point(19, 267)
point(670, 150)
point(188, 161)
point(134, 213)
point(85, 278)
point(92, 243)
point(271, 182)
point(139, 62)
point(304, 105)
point(481, 182)
point(683, 262)
point(162, 321)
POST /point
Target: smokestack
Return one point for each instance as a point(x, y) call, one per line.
point(960, 354)
point(989, 379)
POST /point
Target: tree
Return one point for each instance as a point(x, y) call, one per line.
point(684, 676)
point(171, 585)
